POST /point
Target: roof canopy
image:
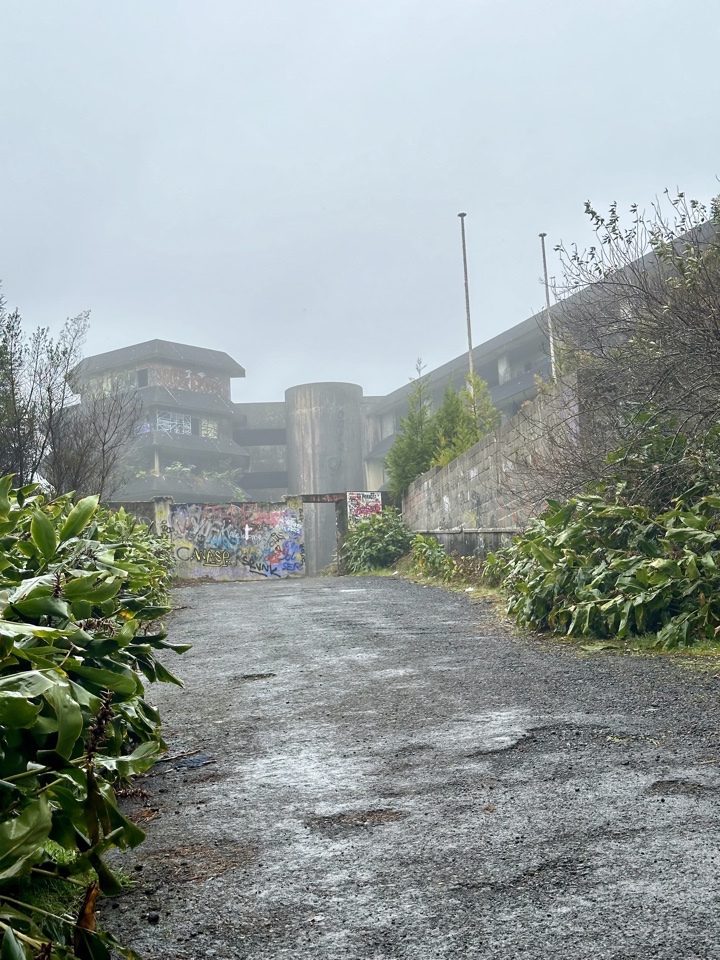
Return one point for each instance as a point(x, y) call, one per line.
point(176, 354)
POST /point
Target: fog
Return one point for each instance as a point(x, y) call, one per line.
point(282, 180)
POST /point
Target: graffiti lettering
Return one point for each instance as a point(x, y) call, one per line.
point(247, 540)
point(212, 558)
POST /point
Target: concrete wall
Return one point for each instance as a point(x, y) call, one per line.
point(142, 510)
point(490, 486)
point(269, 414)
point(324, 455)
point(471, 542)
point(234, 541)
point(267, 452)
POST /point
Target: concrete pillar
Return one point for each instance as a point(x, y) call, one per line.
point(324, 455)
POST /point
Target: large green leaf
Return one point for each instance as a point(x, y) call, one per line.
point(135, 763)
point(95, 588)
point(43, 534)
point(16, 710)
point(42, 607)
point(22, 839)
point(78, 518)
point(5, 487)
point(16, 631)
point(11, 947)
point(30, 683)
point(123, 683)
point(69, 717)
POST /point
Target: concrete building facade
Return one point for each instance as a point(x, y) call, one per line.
point(324, 438)
point(185, 441)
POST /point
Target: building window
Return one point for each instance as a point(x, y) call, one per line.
point(174, 422)
point(142, 378)
point(209, 428)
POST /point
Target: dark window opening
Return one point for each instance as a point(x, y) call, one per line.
point(142, 378)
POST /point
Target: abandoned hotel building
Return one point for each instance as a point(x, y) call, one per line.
point(194, 444)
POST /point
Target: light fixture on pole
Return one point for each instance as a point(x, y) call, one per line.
point(548, 318)
point(467, 297)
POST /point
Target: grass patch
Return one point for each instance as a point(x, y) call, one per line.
point(53, 894)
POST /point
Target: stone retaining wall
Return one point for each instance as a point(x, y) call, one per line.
point(491, 485)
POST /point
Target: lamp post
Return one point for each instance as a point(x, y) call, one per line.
point(467, 296)
point(551, 337)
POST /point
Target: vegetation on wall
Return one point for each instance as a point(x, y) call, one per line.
point(630, 543)
point(82, 592)
point(636, 329)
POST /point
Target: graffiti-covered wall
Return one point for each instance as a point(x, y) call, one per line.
point(362, 505)
point(237, 541)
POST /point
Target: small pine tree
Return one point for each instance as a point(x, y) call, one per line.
point(484, 414)
point(462, 420)
point(432, 440)
point(412, 452)
point(453, 424)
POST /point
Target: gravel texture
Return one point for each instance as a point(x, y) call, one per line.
point(369, 768)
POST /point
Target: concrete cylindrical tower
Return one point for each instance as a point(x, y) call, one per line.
point(324, 437)
point(324, 455)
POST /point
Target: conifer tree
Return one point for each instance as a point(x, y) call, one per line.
point(412, 452)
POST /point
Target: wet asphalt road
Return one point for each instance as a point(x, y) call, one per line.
point(367, 768)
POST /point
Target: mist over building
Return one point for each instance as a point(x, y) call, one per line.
point(193, 443)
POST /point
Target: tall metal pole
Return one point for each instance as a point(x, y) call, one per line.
point(551, 337)
point(467, 296)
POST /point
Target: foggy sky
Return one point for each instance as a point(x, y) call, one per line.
point(281, 179)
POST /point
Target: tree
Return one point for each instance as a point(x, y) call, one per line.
point(89, 443)
point(428, 439)
point(412, 452)
point(45, 431)
point(34, 389)
point(637, 331)
point(452, 425)
point(643, 327)
point(463, 419)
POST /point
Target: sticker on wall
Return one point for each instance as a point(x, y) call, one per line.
point(362, 505)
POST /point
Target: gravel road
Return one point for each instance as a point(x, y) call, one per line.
point(369, 768)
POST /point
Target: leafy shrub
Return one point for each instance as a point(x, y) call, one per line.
point(430, 559)
point(377, 542)
point(593, 567)
point(82, 592)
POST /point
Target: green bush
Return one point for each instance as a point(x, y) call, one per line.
point(82, 593)
point(597, 568)
point(430, 559)
point(377, 542)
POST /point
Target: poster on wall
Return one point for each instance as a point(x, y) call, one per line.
point(362, 505)
point(237, 541)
